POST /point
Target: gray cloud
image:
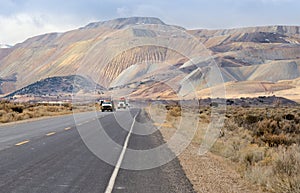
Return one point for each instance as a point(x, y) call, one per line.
point(20, 19)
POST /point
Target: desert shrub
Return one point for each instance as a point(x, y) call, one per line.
point(5, 118)
point(289, 127)
point(251, 154)
point(266, 126)
point(28, 115)
point(214, 104)
point(230, 125)
point(204, 118)
point(8, 117)
point(175, 111)
point(10, 111)
point(19, 116)
point(276, 140)
point(286, 171)
point(259, 175)
point(68, 106)
point(2, 112)
point(52, 109)
point(263, 144)
point(239, 118)
point(168, 107)
point(18, 109)
point(289, 117)
point(297, 120)
point(251, 119)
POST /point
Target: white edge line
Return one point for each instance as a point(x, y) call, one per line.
point(114, 175)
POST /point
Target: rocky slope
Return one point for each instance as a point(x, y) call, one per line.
point(144, 57)
point(61, 85)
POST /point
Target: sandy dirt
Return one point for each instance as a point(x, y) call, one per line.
point(212, 174)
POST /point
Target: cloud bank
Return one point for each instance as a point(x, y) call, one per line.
point(21, 19)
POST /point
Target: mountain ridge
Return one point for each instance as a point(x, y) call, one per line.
point(120, 23)
point(237, 52)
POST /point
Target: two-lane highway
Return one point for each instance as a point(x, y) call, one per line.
point(11, 134)
point(49, 156)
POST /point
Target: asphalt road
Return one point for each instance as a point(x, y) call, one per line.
point(50, 156)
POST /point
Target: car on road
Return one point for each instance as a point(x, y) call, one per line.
point(121, 105)
point(107, 106)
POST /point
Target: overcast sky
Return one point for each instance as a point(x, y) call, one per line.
point(21, 19)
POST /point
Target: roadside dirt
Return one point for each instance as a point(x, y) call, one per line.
point(211, 174)
point(208, 173)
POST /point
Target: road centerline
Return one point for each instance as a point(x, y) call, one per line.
point(22, 143)
point(67, 128)
point(49, 134)
point(114, 175)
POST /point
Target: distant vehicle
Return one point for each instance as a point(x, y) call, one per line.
point(121, 105)
point(107, 106)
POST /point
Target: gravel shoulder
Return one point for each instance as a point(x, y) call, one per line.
point(210, 173)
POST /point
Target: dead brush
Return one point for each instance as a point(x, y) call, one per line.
point(286, 170)
point(264, 145)
point(10, 111)
point(173, 111)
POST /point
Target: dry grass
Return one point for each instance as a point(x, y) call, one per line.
point(286, 170)
point(10, 112)
point(263, 144)
point(208, 173)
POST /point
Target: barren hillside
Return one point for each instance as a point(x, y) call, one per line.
point(144, 57)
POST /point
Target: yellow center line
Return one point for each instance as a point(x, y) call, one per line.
point(22, 143)
point(49, 134)
point(68, 128)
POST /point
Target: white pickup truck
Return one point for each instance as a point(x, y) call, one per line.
point(107, 106)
